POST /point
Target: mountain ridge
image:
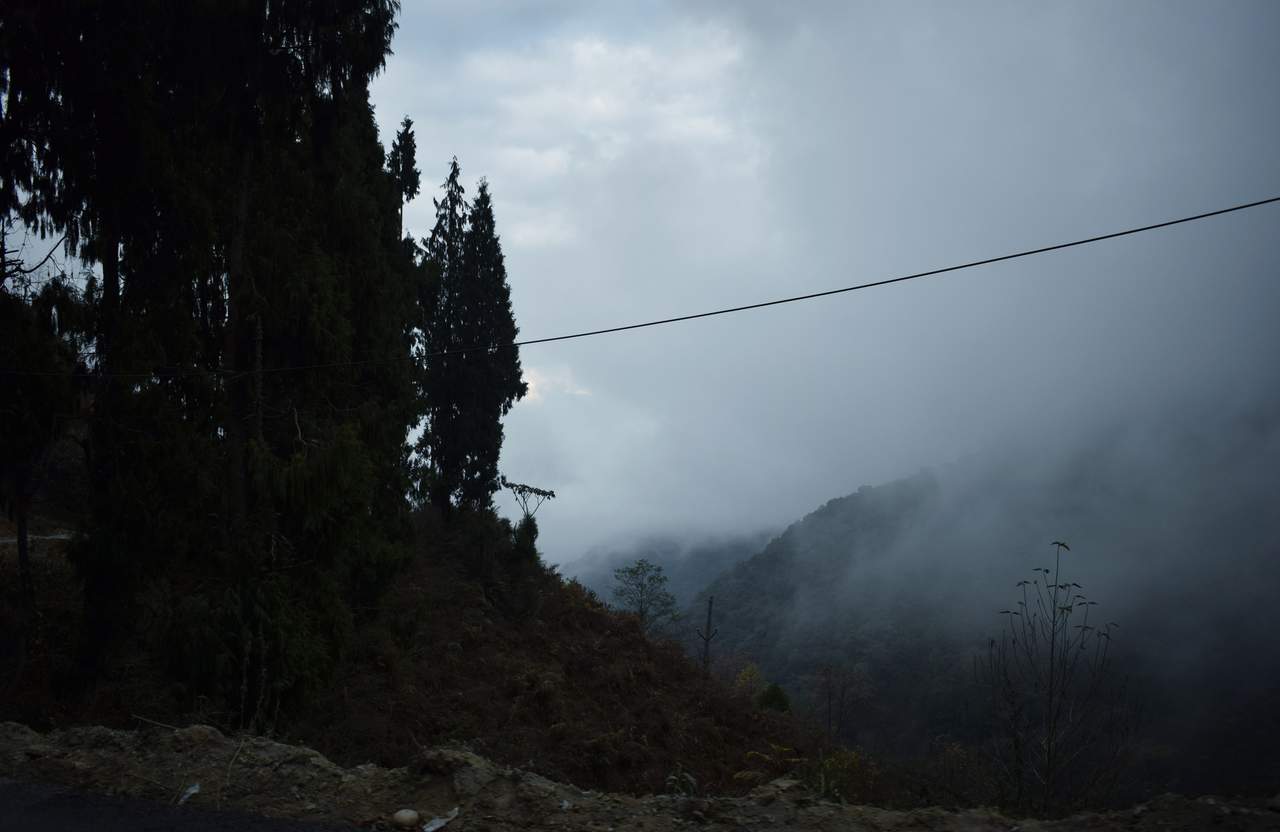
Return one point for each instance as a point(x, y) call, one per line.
point(896, 588)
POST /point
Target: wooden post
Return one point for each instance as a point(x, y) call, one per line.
point(706, 636)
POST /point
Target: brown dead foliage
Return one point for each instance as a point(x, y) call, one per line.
point(556, 683)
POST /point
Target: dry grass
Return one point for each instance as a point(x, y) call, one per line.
point(552, 681)
point(573, 691)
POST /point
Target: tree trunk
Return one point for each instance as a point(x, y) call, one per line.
point(102, 591)
point(237, 405)
point(22, 504)
point(110, 255)
point(706, 636)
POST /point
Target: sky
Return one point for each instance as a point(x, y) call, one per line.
point(650, 159)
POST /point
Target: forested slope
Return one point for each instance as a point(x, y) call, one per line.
point(872, 610)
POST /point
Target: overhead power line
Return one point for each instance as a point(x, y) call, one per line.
point(931, 273)
point(729, 310)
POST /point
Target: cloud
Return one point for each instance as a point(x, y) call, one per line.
point(610, 96)
point(552, 229)
point(551, 381)
point(533, 162)
point(649, 160)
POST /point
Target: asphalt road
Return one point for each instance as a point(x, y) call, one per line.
point(36, 807)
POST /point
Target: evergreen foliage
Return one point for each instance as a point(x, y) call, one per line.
point(40, 334)
point(250, 337)
point(493, 378)
point(402, 164)
point(470, 370)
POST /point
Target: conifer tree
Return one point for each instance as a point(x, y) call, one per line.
point(36, 409)
point(220, 162)
point(493, 375)
point(439, 452)
point(402, 165)
point(471, 374)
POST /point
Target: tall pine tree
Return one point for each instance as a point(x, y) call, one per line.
point(470, 367)
point(493, 376)
point(402, 164)
point(439, 452)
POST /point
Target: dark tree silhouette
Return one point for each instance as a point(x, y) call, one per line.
point(641, 589)
point(38, 408)
point(221, 165)
point(403, 166)
point(529, 497)
point(471, 368)
point(706, 635)
point(1060, 715)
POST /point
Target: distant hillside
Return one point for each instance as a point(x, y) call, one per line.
point(688, 564)
point(799, 580)
point(885, 595)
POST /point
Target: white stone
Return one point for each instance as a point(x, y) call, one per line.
point(406, 818)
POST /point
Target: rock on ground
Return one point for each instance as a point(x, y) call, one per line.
point(260, 776)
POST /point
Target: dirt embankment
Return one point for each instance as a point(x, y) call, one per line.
point(261, 776)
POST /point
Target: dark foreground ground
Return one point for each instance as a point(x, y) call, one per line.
point(146, 772)
point(31, 807)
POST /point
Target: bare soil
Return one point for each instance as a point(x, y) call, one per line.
point(262, 777)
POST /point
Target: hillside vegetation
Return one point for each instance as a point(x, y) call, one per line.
point(872, 610)
point(519, 665)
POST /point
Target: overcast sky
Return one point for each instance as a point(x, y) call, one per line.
point(654, 159)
